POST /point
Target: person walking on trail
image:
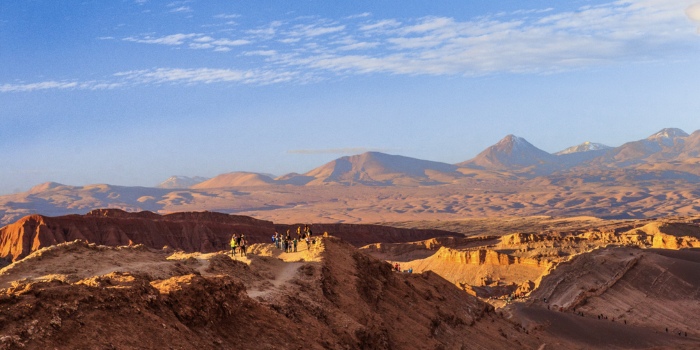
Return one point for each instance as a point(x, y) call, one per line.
point(233, 244)
point(308, 243)
point(295, 245)
point(242, 245)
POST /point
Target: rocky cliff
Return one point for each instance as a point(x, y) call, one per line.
point(187, 231)
point(485, 257)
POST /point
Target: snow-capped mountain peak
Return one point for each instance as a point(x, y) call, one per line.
point(669, 133)
point(584, 147)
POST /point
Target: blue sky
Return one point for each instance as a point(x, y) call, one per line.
point(132, 92)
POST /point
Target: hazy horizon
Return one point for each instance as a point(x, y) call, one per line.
point(134, 92)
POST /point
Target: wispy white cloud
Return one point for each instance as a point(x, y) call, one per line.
point(196, 41)
point(205, 75)
point(57, 85)
point(542, 41)
point(203, 39)
point(223, 15)
point(182, 9)
point(174, 76)
point(261, 53)
point(358, 46)
point(693, 13)
point(174, 39)
point(361, 15)
point(267, 31)
point(105, 37)
point(524, 41)
point(199, 46)
point(312, 30)
point(37, 86)
point(226, 42)
point(352, 150)
point(386, 23)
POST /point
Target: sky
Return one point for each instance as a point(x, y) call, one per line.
point(132, 92)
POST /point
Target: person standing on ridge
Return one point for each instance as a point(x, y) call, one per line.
point(295, 244)
point(233, 244)
point(242, 245)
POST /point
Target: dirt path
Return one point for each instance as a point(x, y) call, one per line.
point(283, 276)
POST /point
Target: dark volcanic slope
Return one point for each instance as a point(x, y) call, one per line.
point(188, 231)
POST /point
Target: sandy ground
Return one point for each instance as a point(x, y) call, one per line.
point(457, 297)
point(612, 198)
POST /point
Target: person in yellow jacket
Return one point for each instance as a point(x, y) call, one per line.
point(234, 244)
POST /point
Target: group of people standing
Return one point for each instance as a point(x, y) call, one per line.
point(288, 244)
point(238, 243)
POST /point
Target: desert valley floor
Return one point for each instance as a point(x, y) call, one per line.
point(111, 279)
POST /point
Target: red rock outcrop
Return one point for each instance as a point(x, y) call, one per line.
point(187, 231)
point(485, 257)
point(360, 235)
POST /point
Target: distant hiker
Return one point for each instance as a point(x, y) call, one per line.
point(308, 243)
point(277, 240)
point(396, 267)
point(599, 317)
point(243, 244)
point(233, 244)
point(299, 231)
point(410, 270)
point(295, 245)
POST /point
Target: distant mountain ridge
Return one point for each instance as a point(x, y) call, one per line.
point(584, 147)
point(512, 152)
point(235, 179)
point(654, 176)
point(174, 182)
point(515, 154)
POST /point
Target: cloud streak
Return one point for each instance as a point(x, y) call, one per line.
point(172, 76)
point(307, 49)
point(353, 150)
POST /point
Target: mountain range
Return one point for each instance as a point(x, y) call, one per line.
point(511, 156)
point(656, 176)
